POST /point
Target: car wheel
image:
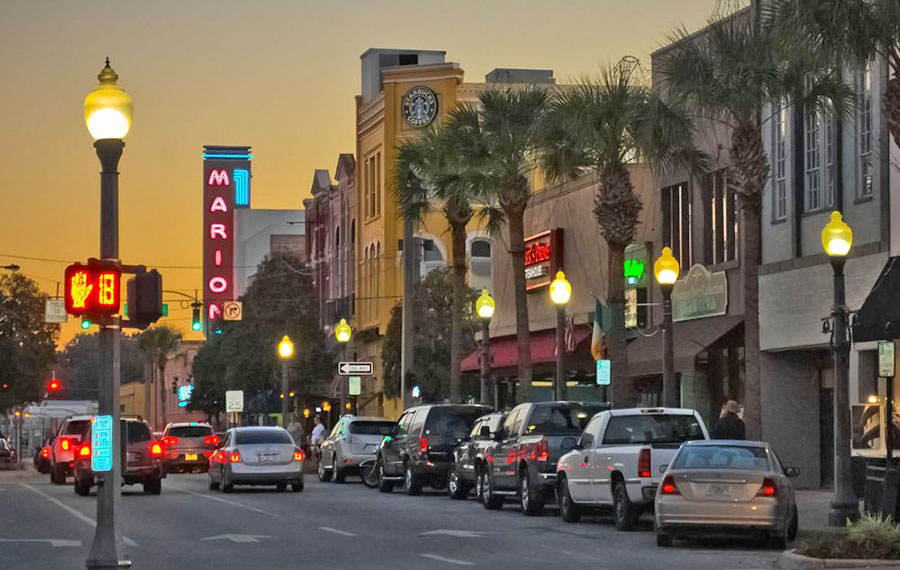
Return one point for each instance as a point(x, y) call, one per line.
point(213, 485)
point(83, 486)
point(663, 540)
point(778, 539)
point(153, 486)
point(568, 510)
point(339, 474)
point(479, 486)
point(57, 475)
point(491, 500)
point(227, 486)
point(410, 481)
point(297, 487)
point(529, 496)
point(384, 485)
point(455, 487)
point(323, 474)
point(794, 525)
point(282, 487)
point(625, 514)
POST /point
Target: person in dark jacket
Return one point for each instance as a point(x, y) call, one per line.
point(729, 426)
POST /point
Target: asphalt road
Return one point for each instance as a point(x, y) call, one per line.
point(44, 526)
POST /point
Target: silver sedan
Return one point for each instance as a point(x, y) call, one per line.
point(256, 456)
point(725, 486)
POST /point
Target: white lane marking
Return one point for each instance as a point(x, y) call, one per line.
point(237, 537)
point(336, 531)
point(456, 533)
point(71, 511)
point(226, 501)
point(447, 560)
point(54, 542)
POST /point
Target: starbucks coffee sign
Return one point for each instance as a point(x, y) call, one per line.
point(700, 294)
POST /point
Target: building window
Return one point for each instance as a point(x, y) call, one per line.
point(378, 184)
point(372, 188)
point(721, 213)
point(779, 165)
point(865, 130)
point(677, 222)
point(365, 185)
point(818, 158)
point(480, 264)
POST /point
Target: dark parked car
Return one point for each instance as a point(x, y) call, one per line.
point(420, 451)
point(522, 461)
point(7, 453)
point(42, 457)
point(141, 458)
point(468, 457)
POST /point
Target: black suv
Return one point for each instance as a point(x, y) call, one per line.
point(141, 457)
point(420, 450)
point(468, 457)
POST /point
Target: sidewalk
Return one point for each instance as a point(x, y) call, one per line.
point(813, 507)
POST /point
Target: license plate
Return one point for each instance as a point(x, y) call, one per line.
point(268, 458)
point(190, 457)
point(718, 490)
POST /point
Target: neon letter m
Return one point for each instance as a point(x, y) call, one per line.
point(218, 178)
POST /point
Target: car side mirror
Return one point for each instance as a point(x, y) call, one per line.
point(395, 430)
point(485, 432)
point(791, 471)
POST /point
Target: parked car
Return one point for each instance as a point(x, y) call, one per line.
point(352, 443)
point(522, 461)
point(7, 453)
point(620, 460)
point(257, 456)
point(42, 457)
point(68, 437)
point(141, 461)
point(723, 486)
point(189, 445)
point(468, 457)
point(420, 451)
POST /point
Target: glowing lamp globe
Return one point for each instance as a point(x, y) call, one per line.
point(286, 347)
point(343, 332)
point(666, 268)
point(485, 305)
point(107, 109)
point(837, 237)
point(560, 289)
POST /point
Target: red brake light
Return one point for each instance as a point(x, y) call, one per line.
point(669, 487)
point(84, 451)
point(542, 451)
point(235, 457)
point(211, 440)
point(298, 455)
point(423, 445)
point(768, 488)
point(45, 452)
point(64, 444)
point(169, 441)
point(644, 467)
point(156, 450)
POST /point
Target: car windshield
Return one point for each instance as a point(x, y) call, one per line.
point(561, 419)
point(190, 431)
point(77, 427)
point(137, 432)
point(452, 421)
point(249, 437)
point(652, 428)
point(722, 457)
point(372, 428)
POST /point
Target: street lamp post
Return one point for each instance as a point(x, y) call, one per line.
point(108, 113)
point(837, 237)
point(343, 332)
point(285, 352)
point(666, 271)
point(484, 306)
point(560, 293)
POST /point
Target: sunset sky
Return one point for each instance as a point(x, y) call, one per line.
point(279, 75)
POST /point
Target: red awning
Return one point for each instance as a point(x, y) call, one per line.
point(504, 353)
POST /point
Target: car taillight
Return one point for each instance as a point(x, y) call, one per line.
point(84, 451)
point(207, 454)
point(65, 444)
point(542, 451)
point(644, 467)
point(669, 487)
point(45, 452)
point(211, 440)
point(234, 457)
point(222, 457)
point(298, 455)
point(423, 445)
point(768, 488)
point(170, 441)
point(156, 450)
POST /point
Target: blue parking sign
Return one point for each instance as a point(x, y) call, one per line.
point(603, 370)
point(102, 444)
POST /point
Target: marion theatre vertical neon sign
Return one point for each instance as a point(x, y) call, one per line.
point(226, 186)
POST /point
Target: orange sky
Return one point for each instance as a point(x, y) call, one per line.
point(279, 75)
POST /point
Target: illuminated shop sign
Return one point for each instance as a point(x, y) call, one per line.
point(184, 395)
point(543, 258)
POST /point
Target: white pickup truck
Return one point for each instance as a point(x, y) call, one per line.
point(620, 459)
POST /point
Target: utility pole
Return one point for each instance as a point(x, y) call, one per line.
point(410, 277)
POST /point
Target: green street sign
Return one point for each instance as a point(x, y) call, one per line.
point(603, 373)
point(355, 383)
point(885, 358)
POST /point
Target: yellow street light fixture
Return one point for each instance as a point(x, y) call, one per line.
point(560, 289)
point(837, 237)
point(107, 109)
point(343, 332)
point(872, 399)
point(485, 305)
point(286, 347)
point(305, 412)
point(666, 268)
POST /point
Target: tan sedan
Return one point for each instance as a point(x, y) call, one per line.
point(724, 486)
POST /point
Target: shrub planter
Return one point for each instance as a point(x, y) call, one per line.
point(790, 560)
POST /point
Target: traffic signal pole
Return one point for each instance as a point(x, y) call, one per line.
point(107, 546)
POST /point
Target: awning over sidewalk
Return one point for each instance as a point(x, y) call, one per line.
point(879, 316)
point(645, 354)
point(506, 355)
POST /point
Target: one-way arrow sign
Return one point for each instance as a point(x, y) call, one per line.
point(237, 537)
point(354, 368)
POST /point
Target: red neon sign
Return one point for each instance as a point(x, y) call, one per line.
point(537, 253)
point(218, 178)
point(543, 258)
point(218, 235)
point(93, 289)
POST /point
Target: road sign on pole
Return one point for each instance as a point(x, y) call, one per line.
point(55, 311)
point(355, 383)
point(603, 373)
point(102, 444)
point(354, 368)
point(885, 358)
point(232, 310)
point(234, 401)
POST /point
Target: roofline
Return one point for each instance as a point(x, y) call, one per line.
point(401, 51)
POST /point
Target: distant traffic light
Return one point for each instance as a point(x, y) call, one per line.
point(85, 323)
point(196, 323)
point(54, 385)
point(175, 385)
point(6, 385)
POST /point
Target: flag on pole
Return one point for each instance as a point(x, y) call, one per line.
point(598, 338)
point(570, 334)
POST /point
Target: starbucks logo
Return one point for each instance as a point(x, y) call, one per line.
point(419, 106)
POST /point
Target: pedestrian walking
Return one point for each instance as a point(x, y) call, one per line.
point(729, 425)
point(317, 438)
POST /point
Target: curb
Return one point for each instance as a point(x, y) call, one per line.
point(790, 560)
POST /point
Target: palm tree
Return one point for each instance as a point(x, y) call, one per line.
point(156, 343)
point(601, 126)
point(432, 175)
point(728, 75)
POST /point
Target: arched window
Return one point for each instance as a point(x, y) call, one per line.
point(480, 264)
point(376, 279)
point(432, 256)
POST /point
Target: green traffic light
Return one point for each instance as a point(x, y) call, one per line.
point(85, 323)
point(196, 325)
